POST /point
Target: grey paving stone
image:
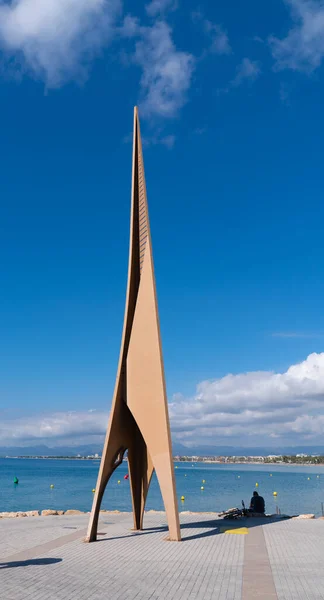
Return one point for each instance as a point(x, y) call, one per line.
point(124, 565)
point(296, 550)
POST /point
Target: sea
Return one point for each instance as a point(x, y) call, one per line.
point(205, 487)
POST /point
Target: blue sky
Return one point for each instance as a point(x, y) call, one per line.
point(231, 107)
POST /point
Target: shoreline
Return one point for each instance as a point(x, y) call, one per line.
point(76, 512)
point(263, 464)
point(79, 458)
point(177, 462)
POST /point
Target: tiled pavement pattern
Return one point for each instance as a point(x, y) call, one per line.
point(22, 533)
point(124, 565)
point(257, 574)
point(296, 553)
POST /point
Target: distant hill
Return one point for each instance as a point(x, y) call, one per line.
point(178, 449)
point(248, 451)
point(47, 451)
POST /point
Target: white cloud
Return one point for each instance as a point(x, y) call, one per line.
point(262, 405)
point(158, 7)
point(166, 74)
point(55, 39)
point(303, 47)
point(130, 27)
point(218, 35)
point(219, 38)
point(53, 428)
point(166, 71)
point(248, 70)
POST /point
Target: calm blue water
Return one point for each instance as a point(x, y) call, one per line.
point(226, 486)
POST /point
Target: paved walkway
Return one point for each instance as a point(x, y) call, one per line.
point(44, 558)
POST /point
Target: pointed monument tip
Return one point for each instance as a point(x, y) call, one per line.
point(136, 110)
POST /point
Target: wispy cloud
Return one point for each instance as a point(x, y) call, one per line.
point(165, 140)
point(54, 40)
point(166, 71)
point(284, 93)
point(54, 427)
point(247, 70)
point(296, 334)
point(159, 137)
point(303, 47)
point(168, 140)
point(219, 38)
point(160, 7)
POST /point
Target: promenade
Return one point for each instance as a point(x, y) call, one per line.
point(45, 558)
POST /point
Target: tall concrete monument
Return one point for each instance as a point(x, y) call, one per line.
point(139, 419)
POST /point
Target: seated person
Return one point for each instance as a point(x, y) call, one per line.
point(257, 504)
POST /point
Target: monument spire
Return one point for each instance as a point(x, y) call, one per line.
point(139, 420)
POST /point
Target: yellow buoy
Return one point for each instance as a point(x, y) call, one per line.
point(275, 493)
point(256, 485)
point(204, 481)
point(270, 474)
point(182, 498)
point(238, 477)
point(202, 487)
point(118, 481)
point(93, 490)
point(185, 475)
point(317, 476)
point(308, 478)
point(51, 486)
point(176, 467)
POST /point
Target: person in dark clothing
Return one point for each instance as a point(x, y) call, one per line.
point(257, 504)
